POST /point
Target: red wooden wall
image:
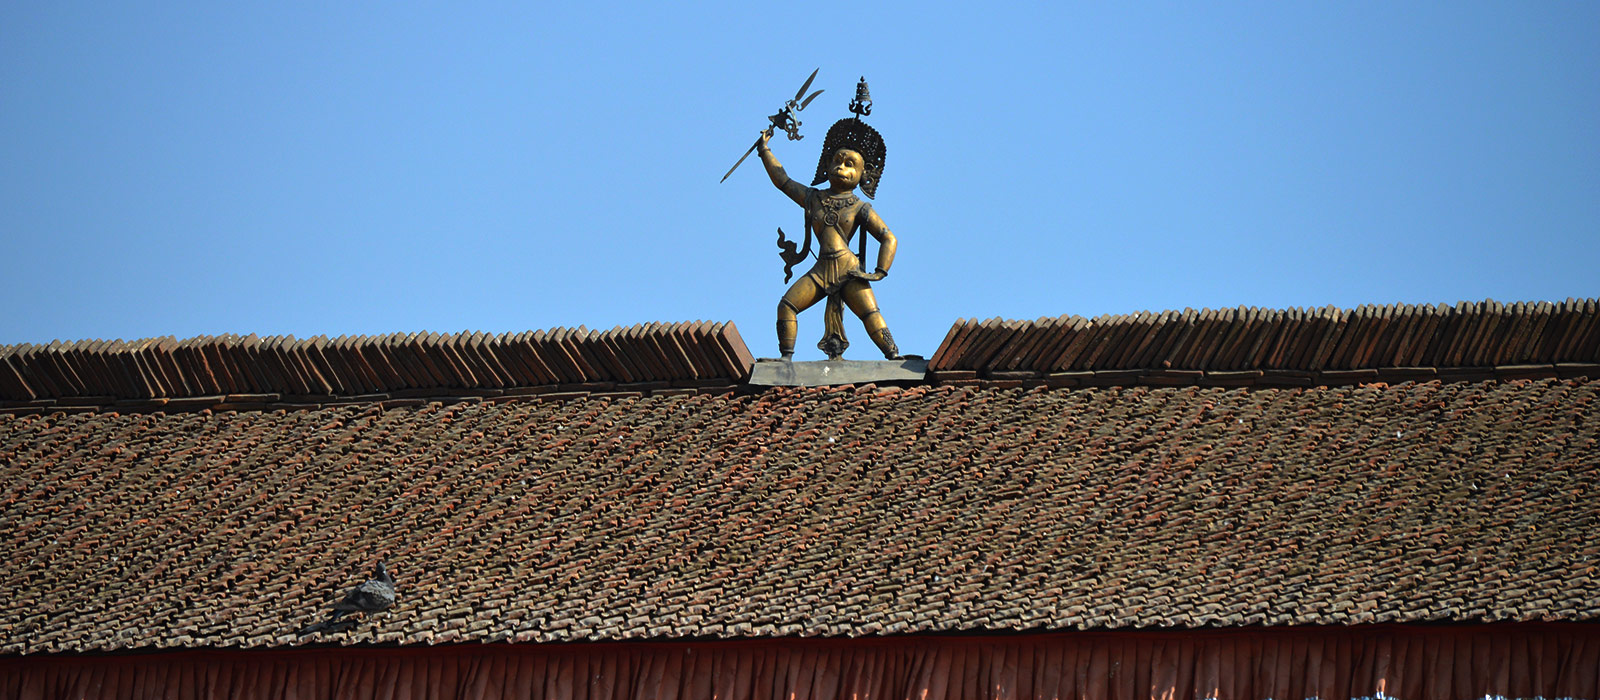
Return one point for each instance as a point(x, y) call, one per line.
point(1394, 661)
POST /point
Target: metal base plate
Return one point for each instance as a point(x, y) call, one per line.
point(833, 372)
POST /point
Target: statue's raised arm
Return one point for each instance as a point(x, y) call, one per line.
point(775, 171)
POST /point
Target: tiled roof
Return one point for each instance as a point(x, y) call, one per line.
point(815, 512)
point(1223, 347)
point(1219, 347)
point(142, 373)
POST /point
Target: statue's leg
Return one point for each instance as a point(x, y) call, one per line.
point(858, 295)
point(801, 296)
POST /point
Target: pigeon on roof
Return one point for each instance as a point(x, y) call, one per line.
point(375, 595)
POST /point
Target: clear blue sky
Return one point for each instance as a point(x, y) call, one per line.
point(344, 168)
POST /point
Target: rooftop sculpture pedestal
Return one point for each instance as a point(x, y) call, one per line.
point(831, 372)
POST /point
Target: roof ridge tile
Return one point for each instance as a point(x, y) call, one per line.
point(358, 365)
point(1370, 336)
point(1464, 339)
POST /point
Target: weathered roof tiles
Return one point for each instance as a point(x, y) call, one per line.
point(680, 354)
point(1482, 334)
point(823, 512)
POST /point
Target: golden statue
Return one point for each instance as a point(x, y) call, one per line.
point(852, 155)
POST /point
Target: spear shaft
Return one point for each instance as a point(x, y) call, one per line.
point(741, 160)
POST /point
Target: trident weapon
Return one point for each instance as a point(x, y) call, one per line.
point(784, 119)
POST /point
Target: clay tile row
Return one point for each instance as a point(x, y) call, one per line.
point(1480, 334)
point(357, 365)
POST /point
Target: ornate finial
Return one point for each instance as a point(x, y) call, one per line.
point(861, 106)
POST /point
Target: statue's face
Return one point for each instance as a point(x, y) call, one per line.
point(846, 168)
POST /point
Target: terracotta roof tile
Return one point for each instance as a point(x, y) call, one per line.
point(1485, 334)
point(817, 512)
point(160, 368)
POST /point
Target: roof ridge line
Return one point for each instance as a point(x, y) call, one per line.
point(1470, 336)
point(1235, 346)
point(1010, 379)
point(689, 354)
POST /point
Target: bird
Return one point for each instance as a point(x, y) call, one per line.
point(375, 595)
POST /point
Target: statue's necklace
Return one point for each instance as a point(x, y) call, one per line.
point(831, 205)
